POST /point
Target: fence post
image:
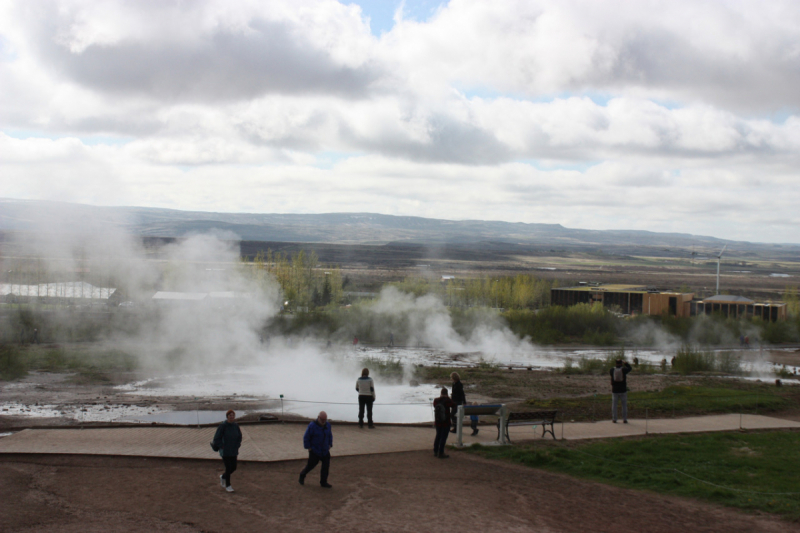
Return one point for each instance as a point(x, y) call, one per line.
point(282, 420)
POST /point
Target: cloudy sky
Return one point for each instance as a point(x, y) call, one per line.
point(668, 116)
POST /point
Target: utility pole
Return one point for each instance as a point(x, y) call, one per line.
point(719, 258)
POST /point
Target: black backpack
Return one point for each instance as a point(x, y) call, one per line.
point(439, 413)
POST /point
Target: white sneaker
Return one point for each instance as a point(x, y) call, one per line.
point(229, 488)
point(222, 481)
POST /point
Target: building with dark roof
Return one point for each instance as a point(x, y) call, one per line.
point(739, 306)
point(629, 299)
point(638, 300)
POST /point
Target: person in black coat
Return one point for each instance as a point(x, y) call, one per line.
point(458, 397)
point(227, 441)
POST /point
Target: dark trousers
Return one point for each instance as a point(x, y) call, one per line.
point(442, 432)
point(230, 468)
point(454, 417)
point(313, 459)
point(365, 401)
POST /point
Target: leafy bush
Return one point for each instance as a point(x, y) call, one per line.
point(577, 323)
point(689, 360)
point(777, 332)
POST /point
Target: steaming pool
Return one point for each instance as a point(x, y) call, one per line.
point(311, 380)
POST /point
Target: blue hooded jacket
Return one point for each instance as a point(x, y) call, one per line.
point(318, 439)
point(228, 439)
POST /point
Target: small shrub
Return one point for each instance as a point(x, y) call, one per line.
point(689, 360)
point(729, 363)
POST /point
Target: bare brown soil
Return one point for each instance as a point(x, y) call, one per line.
point(378, 493)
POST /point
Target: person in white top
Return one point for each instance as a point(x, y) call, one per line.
point(366, 396)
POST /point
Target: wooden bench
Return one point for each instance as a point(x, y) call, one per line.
point(531, 418)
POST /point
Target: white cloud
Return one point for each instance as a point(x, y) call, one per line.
point(536, 111)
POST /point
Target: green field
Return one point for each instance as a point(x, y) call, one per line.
point(753, 472)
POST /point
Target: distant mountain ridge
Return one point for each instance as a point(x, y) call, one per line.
point(344, 228)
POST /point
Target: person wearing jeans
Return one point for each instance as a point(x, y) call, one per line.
point(619, 389)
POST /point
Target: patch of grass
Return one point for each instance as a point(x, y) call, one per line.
point(671, 401)
point(90, 377)
point(12, 365)
point(59, 358)
point(689, 360)
point(391, 368)
point(592, 365)
point(749, 472)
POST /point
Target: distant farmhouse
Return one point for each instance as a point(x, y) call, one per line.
point(638, 300)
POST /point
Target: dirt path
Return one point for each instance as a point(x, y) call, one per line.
point(382, 493)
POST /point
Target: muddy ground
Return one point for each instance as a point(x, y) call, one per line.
point(412, 492)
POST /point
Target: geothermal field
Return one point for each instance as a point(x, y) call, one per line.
point(120, 356)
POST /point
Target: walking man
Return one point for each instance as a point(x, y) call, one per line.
point(619, 389)
point(443, 406)
point(366, 397)
point(318, 440)
point(227, 441)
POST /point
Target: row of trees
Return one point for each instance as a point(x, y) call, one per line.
point(302, 283)
point(523, 291)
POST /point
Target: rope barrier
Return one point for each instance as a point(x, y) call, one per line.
point(354, 403)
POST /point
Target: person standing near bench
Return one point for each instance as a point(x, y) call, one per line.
point(619, 389)
point(227, 441)
point(443, 407)
point(318, 440)
point(366, 397)
point(458, 397)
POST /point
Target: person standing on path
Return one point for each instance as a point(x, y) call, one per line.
point(458, 397)
point(619, 389)
point(442, 410)
point(227, 441)
point(366, 397)
point(318, 440)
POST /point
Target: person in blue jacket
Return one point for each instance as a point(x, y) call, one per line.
point(227, 440)
point(318, 440)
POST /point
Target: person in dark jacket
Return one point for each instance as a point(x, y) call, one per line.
point(366, 397)
point(458, 397)
point(318, 440)
point(227, 440)
point(619, 389)
point(442, 424)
